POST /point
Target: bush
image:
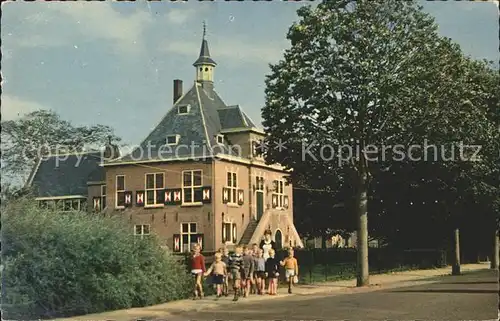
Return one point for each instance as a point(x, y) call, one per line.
point(58, 264)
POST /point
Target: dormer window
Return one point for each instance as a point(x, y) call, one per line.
point(183, 109)
point(220, 139)
point(257, 148)
point(173, 139)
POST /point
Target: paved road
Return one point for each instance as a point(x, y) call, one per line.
point(472, 296)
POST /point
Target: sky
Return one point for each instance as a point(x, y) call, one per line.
point(113, 63)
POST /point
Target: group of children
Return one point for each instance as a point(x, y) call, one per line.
point(246, 269)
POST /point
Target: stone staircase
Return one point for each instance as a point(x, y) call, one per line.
point(247, 235)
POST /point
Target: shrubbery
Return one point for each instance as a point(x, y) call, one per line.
point(62, 264)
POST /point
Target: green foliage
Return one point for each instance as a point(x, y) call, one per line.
point(62, 264)
point(362, 73)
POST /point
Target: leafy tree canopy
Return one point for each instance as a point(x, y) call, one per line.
point(362, 82)
point(39, 133)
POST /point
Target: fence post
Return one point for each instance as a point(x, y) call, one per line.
point(311, 264)
point(325, 264)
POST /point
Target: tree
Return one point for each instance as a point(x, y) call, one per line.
point(484, 178)
point(358, 78)
point(41, 132)
point(320, 211)
point(457, 194)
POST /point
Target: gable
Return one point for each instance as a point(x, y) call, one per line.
point(197, 130)
point(190, 128)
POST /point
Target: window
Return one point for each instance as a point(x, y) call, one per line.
point(154, 187)
point(65, 205)
point(229, 233)
point(220, 139)
point(279, 191)
point(172, 139)
point(120, 191)
point(232, 186)
point(49, 204)
point(259, 183)
point(103, 196)
point(83, 205)
point(188, 236)
point(141, 230)
point(183, 109)
point(257, 148)
point(191, 187)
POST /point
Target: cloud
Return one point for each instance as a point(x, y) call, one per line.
point(495, 2)
point(15, 107)
point(179, 16)
point(231, 49)
point(59, 24)
point(471, 5)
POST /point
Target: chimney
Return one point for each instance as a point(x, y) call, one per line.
point(111, 151)
point(177, 89)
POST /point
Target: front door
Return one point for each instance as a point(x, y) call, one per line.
point(260, 204)
point(278, 239)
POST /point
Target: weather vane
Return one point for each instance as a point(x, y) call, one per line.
point(204, 29)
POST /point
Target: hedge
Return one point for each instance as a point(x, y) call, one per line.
point(60, 264)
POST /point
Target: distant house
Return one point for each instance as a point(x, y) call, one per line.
point(68, 181)
point(337, 241)
point(198, 177)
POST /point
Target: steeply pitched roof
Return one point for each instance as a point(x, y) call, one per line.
point(204, 58)
point(234, 117)
point(208, 116)
point(65, 175)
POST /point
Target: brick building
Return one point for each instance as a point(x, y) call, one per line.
point(198, 177)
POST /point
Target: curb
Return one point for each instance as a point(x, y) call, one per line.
point(175, 309)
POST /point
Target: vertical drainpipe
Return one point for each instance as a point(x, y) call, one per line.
point(250, 193)
point(214, 214)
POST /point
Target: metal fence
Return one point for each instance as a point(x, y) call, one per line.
point(320, 265)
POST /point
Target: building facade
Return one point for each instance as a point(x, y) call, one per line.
point(199, 176)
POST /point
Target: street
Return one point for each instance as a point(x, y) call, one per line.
point(472, 296)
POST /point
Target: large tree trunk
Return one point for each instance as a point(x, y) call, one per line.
point(362, 232)
point(323, 241)
point(455, 269)
point(495, 256)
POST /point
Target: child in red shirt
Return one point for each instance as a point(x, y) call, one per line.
point(197, 270)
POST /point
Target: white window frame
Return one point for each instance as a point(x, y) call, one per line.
point(260, 183)
point(232, 187)
point(229, 240)
point(255, 144)
point(192, 186)
point(142, 234)
point(188, 107)
point(103, 196)
point(189, 233)
point(279, 191)
point(154, 189)
point(71, 200)
point(119, 191)
point(45, 204)
point(177, 137)
point(221, 138)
